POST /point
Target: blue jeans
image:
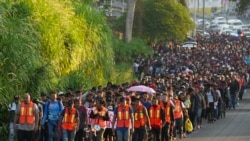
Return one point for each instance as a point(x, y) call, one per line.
point(199, 116)
point(123, 135)
point(12, 132)
point(53, 130)
point(233, 100)
point(68, 135)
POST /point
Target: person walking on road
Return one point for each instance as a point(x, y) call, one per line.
point(140, 120)
point(125, 120)
point(12, 108)
point(156, 117)
point(99, 116)
point(52, 111)
point(69, 121)
point(27, 115)
point(234, 88)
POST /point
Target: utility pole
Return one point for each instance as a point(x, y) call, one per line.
point(204, 17)
point(195, 3)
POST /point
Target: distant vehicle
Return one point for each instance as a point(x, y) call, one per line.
point(199, 22)
point(190, 39)
point(235, 23)
point(245, 28)
point(247, 34)
point(226, 31)
point(235, 34)
point(219, 19)
point(189, 44)
point(222, 25)
point(202, 33)
point(214, 28)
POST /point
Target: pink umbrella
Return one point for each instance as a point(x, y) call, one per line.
point(141, 88)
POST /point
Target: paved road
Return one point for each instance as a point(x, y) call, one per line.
point(234, 127)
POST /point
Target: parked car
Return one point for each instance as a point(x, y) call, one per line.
point(219, 19)
point(247, 34)
point(202, 33)
point(235, 23)
point(189, 44)
point(222, 25)
point(226, 31)
point(214, 28)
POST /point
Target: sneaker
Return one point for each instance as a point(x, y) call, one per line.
point(198, 126)
point(184, 135)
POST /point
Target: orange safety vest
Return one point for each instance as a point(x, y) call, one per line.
point(178, 109)
point(123, 116)
point(162, 104)
point(98, 120)
point(139, 117)
point(27, 113)
point(155, 115)
point(69, 120)
point(168, 111)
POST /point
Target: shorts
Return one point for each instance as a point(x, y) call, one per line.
point(108, 132)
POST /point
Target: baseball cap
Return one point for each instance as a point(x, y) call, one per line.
point(16, 97)
point(180, 92)
point(61, 93)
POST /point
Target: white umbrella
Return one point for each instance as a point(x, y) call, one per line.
point(141, 88)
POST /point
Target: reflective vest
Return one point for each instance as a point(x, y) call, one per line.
point(99, 120)
point(155, 115)
point(27, 113)
point(162, 104)
point(139, 119)
point(178, 109)
point(168, 111)
point(69, 119)
point(123, 116)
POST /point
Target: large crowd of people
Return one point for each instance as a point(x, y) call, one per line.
point(190, 84)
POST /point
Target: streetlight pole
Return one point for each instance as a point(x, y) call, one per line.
point(203, 17)
point(111, 8)
point(195, 3)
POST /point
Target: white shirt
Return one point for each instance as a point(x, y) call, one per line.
point(209, 97)
point(12, 106)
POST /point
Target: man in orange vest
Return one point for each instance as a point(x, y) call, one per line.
point(179, 111)
point(123, 114)
point(140, 119)
point(156, 117)
point(27, 115)
point(167, 126)
point(69, 121)
point(100, 116)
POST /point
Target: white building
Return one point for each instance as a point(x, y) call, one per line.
point(199, 3)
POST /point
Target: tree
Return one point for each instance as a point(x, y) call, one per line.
point(165, 20)
point(242, 6)
point(44, 45)
point(183, 2)
point(129, 20)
